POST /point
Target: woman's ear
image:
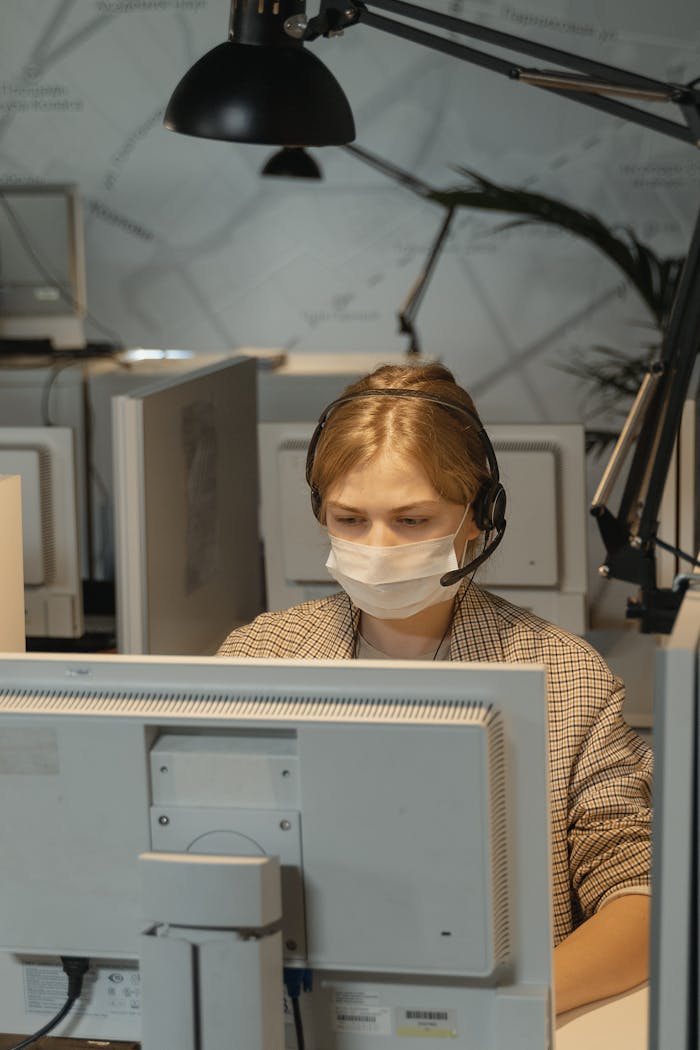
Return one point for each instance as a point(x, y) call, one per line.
point(469, 530)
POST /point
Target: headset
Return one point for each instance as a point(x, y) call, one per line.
point(489, 505)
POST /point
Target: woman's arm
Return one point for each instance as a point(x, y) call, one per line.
point(606, 955)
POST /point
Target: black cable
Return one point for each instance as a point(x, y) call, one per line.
point(298, 1024)
point(297, 981)
point(75, 968)
point(679, 553)
point(30, 1040)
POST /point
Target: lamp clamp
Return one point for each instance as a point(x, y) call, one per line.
point(334, 16)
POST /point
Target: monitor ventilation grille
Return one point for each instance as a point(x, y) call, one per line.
point(47, 515)
point(294, 445)
point(533, 445)
point(144, 703)
point(500, 876)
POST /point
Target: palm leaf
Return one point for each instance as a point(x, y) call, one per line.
point(654, 278)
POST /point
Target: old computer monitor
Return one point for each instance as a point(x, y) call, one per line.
point(42, 265)
point(44, 459)
point(407, 803)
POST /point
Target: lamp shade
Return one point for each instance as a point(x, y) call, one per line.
point(274, 95)
point(292, 162)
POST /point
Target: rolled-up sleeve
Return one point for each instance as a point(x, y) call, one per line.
point(609, 827)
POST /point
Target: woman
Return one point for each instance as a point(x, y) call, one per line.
point(404, 479)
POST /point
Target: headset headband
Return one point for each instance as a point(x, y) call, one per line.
point(422, 395)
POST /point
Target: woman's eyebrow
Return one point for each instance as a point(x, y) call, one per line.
point(427, 504)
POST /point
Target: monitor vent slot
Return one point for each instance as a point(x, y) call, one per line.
point(534, 445)
point(294, 445)
point(499, 839)
point(47, 516)
point(252, 707)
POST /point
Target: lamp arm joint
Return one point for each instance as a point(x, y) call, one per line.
point(333, 17)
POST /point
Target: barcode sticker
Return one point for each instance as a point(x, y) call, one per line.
point(427, 1015)
point(357, 1011)
point(440, 1024)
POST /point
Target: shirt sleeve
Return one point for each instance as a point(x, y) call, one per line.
point(609, 832)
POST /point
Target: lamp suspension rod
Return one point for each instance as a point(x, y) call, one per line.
point(500, 65)
point(409, 308)
point(628, 436)
point(523, 46)
point(387, 168)
point(575, 82)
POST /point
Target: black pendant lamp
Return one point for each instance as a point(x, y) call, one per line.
point(292, 162)
point(262, 85)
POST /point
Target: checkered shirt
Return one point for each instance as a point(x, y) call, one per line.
point(600, 770)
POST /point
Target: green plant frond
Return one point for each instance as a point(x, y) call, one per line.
point(599, 441)
point(512, 225)
point(614, 377)
point(655, 279)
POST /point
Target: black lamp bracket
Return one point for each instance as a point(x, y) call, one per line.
point(652, 427)
point(583, 79)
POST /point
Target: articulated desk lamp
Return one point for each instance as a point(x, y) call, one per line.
point(263, 86)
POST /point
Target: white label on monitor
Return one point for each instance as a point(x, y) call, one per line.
point(439, 1024)
point(356, 1011)
point(107, 990)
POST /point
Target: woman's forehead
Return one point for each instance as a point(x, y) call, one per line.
point(401, 480)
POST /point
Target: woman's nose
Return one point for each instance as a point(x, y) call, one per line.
point(380, 535)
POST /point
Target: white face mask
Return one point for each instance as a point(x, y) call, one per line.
point(393, 583)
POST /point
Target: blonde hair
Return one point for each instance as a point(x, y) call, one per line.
point(443, 441)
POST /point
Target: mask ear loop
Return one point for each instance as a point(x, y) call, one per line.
point(355, 628)
point(460, 560)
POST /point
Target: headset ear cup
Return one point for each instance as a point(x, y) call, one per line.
point(316, 502)
point(498, 507)
point(489, 507)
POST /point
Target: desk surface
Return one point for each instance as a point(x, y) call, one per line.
point(618, 1023)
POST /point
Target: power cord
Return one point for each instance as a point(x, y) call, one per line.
point(295, 981)
point(75, 968)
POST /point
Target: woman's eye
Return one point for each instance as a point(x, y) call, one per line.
point(412, 522)
point(348, 521)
